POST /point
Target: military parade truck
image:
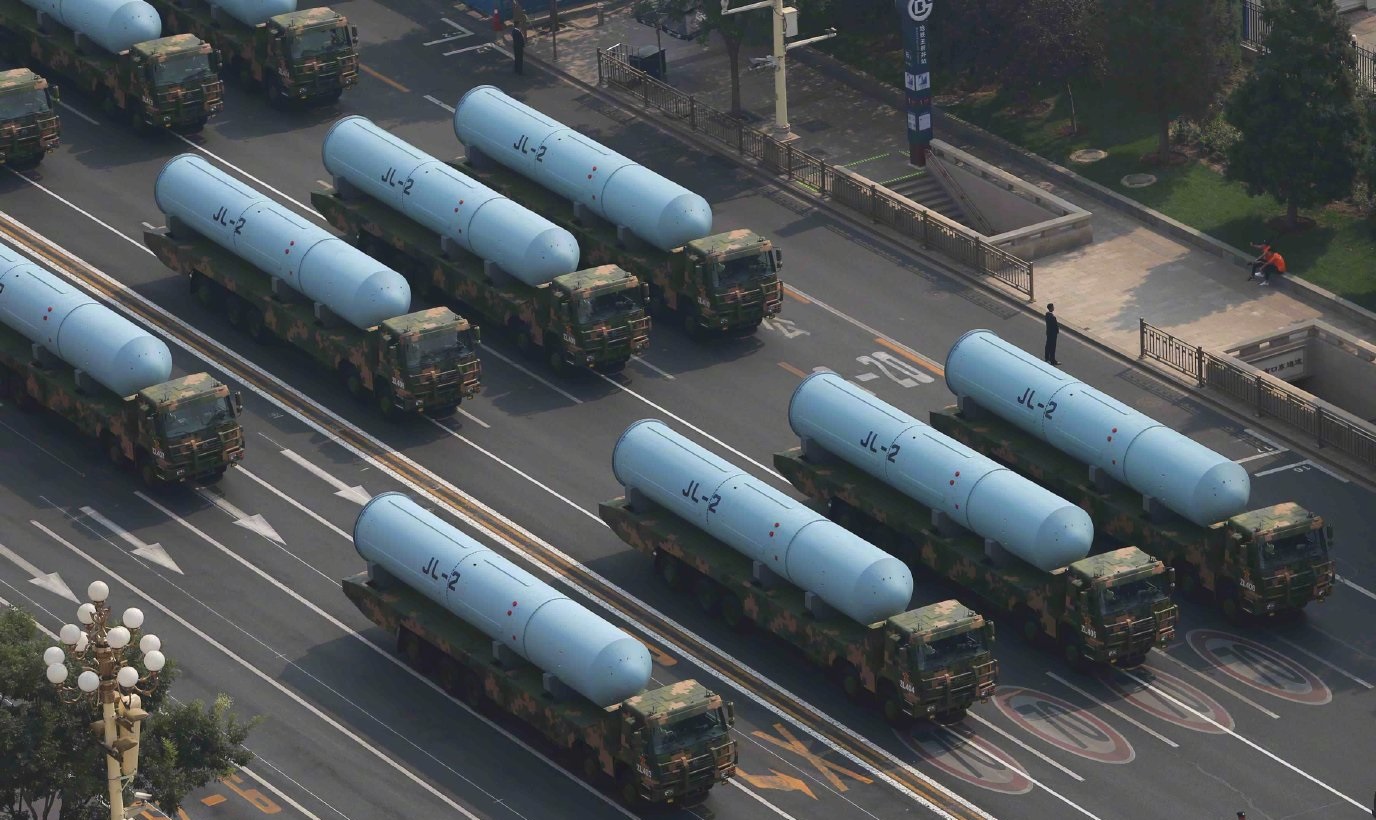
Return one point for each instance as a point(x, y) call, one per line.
point(165, 84)
point(1105, 609)
point(302, 57)
point(726, 282)
point(1258, 563)
point(930, 663)
point(29, 127)
point(669, 745)
point(186, 429)
point(593, 318)
point(423, 362)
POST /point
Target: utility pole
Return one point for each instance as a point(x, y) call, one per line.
point(785, 20)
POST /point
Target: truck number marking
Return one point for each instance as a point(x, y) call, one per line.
point(831, 771)
point(222, 217)
point(522, 144)
point(895, 369)
point(390, 177)
point(1027, 398)
point(890, 451)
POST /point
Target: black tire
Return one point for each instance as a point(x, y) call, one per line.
point(688, 320)
point(1191, 587)
point(628, 789)
point(148, 472)
point(352, 381)
point(206, 292)
point(19, 394)
point(708, 595)
point(525, 343)
point(670, 570)
point(256, 326)
point(272, 87)
point(1229, 601)
point(891, 705)
point(113, 451)
point(235, 310)
point(412, 648)
point(27, 163)
point(589, 766)
point(849, 678)
point(1072, 651)
point(554, 356)
point(1029, 625)
point(733, 613)
point(382, 397)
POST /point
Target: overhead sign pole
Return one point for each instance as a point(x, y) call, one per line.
point(917, 76)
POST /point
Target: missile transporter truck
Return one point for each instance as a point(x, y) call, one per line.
point(279, 277)
point(65, 352)
point(298, 57)
point(800, 577)
point(922, 495)
point(623, 214)
point(461, 241)
point(29, 127)
point(114, 51)
point(1145, 483)
point(497, 636)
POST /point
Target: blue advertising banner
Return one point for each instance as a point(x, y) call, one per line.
point(917, 76)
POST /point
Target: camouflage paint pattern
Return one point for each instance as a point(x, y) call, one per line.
point(123, 81)
point(255, 52)
point(465, 663)
point(366, 353)
point(25, 140)
point(1049, 600)
point(879, 654)
point(121, 424)
point(543, 314)
point(1225, 555)
point(678, 278)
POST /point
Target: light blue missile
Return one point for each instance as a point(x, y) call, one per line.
point(505, 602)
point(942, 474)
point(114, 25)
point(253, 12)
point(1139, 451)
point(847, 572)
point(312, 261)
point(477, 218)
point(80, 331)
point(625, 193)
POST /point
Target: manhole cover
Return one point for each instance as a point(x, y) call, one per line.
point(1138, 180)
point(1087, 155)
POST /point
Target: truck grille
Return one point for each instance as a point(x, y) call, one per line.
point(620, 340)
point(749, 304)
point(39, 134)
point(1296, 585)
point(948, 691)
point(715, 765)
point(207, 453)
point(1132, 635)
point(458, 380)
point(189, 103)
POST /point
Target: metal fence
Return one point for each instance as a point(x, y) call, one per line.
point(1266, 395)
point(932, 230)
point(1255, 28)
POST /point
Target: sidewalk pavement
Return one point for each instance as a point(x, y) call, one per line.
point(1130, 270)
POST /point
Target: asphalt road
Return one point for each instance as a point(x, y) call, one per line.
point(350, 732)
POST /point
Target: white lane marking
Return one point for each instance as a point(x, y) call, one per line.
point(370, 747)
point(434, 480)
point(937, 366)
point(153, 552)
point(246, 175)
point(78, 209)
point(42, 449)
point(778, 811)
point(701, 432)
point(474, 419)
point(979, 742)
point(641, 360)
point(51, 581)
point(448, 38)
point(282, 547)
point(41, 628)
point(88, 118)
point(1235, 735)
point(1222, 686)
point(286, 798)
point(480, 47)
point(488, 351)
point(454, 25)
point(442, 104)
point(1305, 463)
point(1265, 440)
point(297, 504)
point(1114, 710)
point(356, 493)
point(1267, 454)
point(253, 523)
point(1034, 752)
point(1325, 662)
point(1353, 584)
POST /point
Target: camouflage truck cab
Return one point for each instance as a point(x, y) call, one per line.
point(1259, 563)
point(599, 313)
point(29, 127)
point(931, 663)
point(1124, 607)
point(434, 363)
point(669, 745)
point(195, 425)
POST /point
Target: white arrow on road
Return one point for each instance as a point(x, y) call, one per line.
point(50, 581)
point(153, 552)
point(356, 494)
point(252, 523)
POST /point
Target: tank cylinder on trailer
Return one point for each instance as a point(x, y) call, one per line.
point(508, 604)
point(114, 25)
point(253, 12)
point(1183, 475)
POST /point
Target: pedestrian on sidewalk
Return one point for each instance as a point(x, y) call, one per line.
point(518, 48)
point(1269, 261)
point(1053, 329)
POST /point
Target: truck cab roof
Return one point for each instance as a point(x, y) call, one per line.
point(583, 284)
point(305, 18)
point(1116, 563)
point(657, 706)
point(936, 621)
point(163, 46)
point(414, 324)
point(730, 241)
point(169, 393)
point(1272, 519)
point(20, 78)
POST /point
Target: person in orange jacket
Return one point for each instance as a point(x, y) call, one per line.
point(1269, 261)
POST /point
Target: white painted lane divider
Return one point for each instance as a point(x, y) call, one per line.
point(297, 504)
point(441, 103)
point(1114, 710)
point(1354, 585)
point(1325, 662)
point(356, 493)
point(151, 552)
point(50, 581)
point(86, 117)
point(246, 175)
point(1223, 686)
point(253, 523)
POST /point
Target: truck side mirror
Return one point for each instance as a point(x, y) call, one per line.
point(778, 259)
point(989, 634)
point(215, 62)
point(1328, 534)
point(238, 403)
point(353, 33)
point(730, 713)
point(1170, 580)
point(477, 335)
point(638, 738)
point(54, 93)
point(1084, 600)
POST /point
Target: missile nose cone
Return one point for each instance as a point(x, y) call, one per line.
point(1065, 535)
point(1222, 492)
point(553, 252)
point(685, 217)
point(141, 362)
point(883, 588)
point(379, 297)
point(619, 671)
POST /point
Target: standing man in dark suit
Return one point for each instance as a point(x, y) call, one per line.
point(1053, 328)
point(518, 47)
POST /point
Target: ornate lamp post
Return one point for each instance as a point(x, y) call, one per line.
point(105, 655)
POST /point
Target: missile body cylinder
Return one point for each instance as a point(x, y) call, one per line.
point(253, 12)
point(79, 330)
point(114, 25)
point(325, 268)
point(661, 212)
point(939, 472)
point(508, 604)
point(1139, 451)
point(852, 575)
point(478, 219)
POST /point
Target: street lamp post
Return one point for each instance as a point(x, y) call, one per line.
point(785, 25)
point(105, 655)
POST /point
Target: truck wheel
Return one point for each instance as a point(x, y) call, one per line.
point(214, 478)
point(383, 396)
point(148, 472)
point(19, 394)
point(205, 291)
point(27, 163)
point(1228, 600)
point(525, 344)
point(235, 307)
point(470, 690)
point(410, 647)
point(657, 308)
point(688, 317)
point(1072, 651)
point(1191, 588)
point(442, 411)
point(554, 356)
point(850, 681)
point(112, 449)
point(589, 764)
point(707, 594)
point(891, 705)
point(330, 97)
point(273, 88)
point(628, 789)
point(256, 326)
point(353, 383)
point(670, 570)
point(1030, 626)
point(733, 612)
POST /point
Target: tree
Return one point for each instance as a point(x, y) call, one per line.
point(1301, 130)
point(971, 38)
point(1173, 57)
point(1054, 42)
point(51, 756)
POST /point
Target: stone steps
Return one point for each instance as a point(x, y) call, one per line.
point(926, 191)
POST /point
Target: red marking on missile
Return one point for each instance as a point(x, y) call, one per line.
point(508, 612)
point(1114, 430)
point(957, 473)
point(594, 167)
point(953, 482)
point(50, 308)
point(513, 603)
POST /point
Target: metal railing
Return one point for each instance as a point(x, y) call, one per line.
point(877, 203)
point(1264, 394)
point(1255, 29)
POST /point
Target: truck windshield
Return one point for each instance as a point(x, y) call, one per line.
point(742, 270)
point(317, 41)
point(195, 415)
point(436, 345)
point(949, 651)
point(1130, 595)
point(22, 103)
point(179, 69)
point(686, 732)
point(1282, 551)
point(604, 306)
